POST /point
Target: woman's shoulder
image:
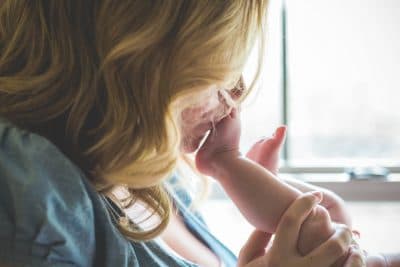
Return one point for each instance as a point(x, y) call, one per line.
point(50, 215)
point(31, 166)
point(45, 209)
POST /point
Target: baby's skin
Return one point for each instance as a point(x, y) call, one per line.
point(266, 153)
point(261, 196)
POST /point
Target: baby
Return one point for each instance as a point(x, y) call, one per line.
point(261, 196)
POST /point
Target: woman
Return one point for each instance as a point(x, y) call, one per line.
point(95, 100)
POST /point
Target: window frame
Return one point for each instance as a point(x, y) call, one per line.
point(370, 190)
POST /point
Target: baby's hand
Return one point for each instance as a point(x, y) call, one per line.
point(266, 151)
point(223, 140)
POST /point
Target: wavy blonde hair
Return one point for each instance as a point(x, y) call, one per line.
point(104, 79)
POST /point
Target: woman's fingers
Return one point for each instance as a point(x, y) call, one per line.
point(332, 249)
point(356, 259)
point(254, 247)
point(287, 232)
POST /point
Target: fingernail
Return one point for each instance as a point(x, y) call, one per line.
point(317, 195)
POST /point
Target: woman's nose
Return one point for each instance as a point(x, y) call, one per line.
point(238, 90)
point(223, 110)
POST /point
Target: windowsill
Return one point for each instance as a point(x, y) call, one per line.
point(355, 190)
point(364, 190)
point(333, 177)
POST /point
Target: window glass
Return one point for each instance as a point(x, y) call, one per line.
point(344, 81)
point(261, 112)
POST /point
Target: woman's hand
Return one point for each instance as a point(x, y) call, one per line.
point(283, 251)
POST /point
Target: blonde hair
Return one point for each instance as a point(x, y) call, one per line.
point(103, 80)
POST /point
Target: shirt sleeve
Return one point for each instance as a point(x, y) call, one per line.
point(46, 215)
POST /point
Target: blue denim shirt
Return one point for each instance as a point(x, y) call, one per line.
point(50, 215)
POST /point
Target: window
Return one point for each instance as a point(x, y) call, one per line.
point(344, 76)
point(342, 71)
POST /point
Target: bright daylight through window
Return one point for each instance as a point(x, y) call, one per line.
point(343, 77)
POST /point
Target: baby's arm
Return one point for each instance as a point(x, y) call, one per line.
point(260, 196)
